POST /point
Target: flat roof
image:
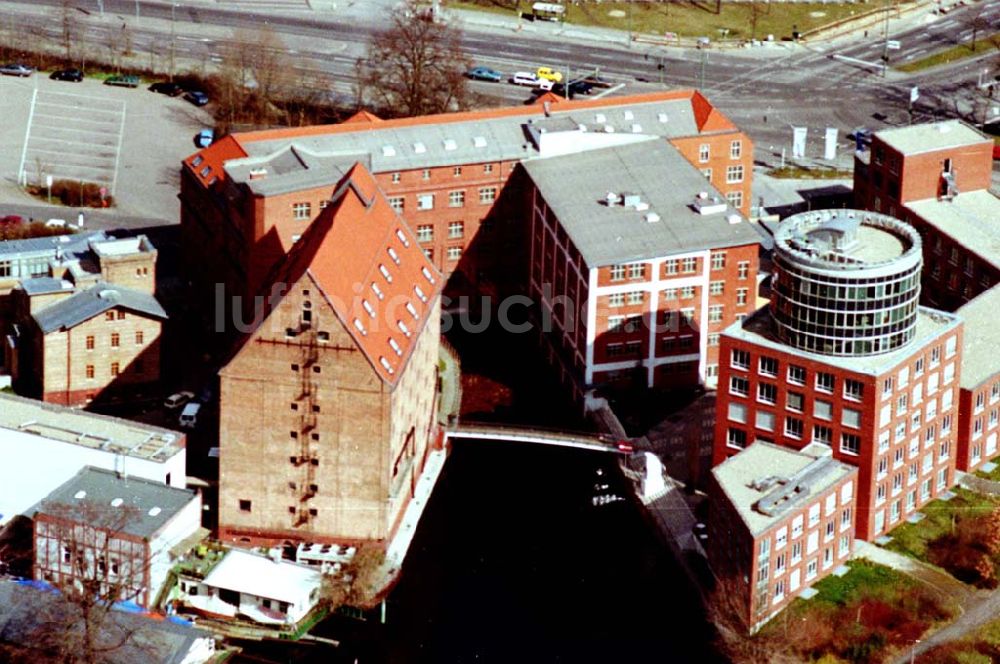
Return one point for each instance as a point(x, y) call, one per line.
point(763, 470)
point(971, 219)
point(124, 503)
point(122, 247)
point(69, 425)
point(71, 243)
point(931, 136)
point(758, 329)
point(980, 338)
point(575, 187)
point(259, 575)
point(846, 239)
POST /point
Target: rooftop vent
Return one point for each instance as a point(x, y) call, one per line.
point(611, 198)
point(108, 294)
point(80, 495)
point(388, 151)
point(944, 128)
point(636, 128)
point(154, 511)
point(419, 147)
point(117, 502)
point(479, 141)
point(385, 365)
point(733, 218)
point(450, 144)
point(662, 117)
point(705, 204)
point(608, 129)
point(765, 483)
point(629, 115)
point(652, 217)
point(642, 206)
point(600, 118)
point(582, 127)
point(630, 199)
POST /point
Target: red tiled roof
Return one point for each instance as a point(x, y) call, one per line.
point(363, 116)
point(707, 116)
point(371, 269)
point(550, 97)
point(214, 158)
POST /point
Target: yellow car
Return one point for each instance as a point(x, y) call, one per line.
point(550, 74)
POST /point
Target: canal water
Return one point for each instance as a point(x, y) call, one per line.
point(513, 563)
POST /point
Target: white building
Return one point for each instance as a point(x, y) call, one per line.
point(44, 445)
point(266, 590)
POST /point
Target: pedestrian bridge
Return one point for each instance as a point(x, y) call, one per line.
point(596, 442)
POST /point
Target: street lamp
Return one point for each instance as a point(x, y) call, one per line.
point(913, 650)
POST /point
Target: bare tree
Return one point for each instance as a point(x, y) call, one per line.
point(88, 556)
point(728, 610)
point(976, 20)
point(254, 74)
point(417, 65)
point(757, 9)
point(69, 29)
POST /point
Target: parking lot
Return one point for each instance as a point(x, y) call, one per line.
point(130, 140)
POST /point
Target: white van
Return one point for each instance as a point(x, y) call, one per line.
point(189, 416)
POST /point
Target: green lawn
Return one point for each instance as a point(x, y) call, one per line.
point(912, 539)
point(692, 19)
point(805, 173)
point(865, 580)
point(984, 45)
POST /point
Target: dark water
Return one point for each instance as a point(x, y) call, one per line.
point(513, 564)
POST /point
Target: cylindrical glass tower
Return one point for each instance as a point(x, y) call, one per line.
point(846, 282)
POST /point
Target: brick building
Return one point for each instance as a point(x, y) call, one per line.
point(327, 410)
point(979, 396)
point(936, 177)
point(845, 357)
point(113, 530)
point(636, 260)
point(779, 520)
point(246, 198)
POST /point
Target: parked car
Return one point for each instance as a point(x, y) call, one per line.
point(204, 138)
point(596, 81)
point(175, 401)
point(196, 97)
point(189, 416)
point(74, 75)
point(166, 88)
point(524, 78)
point(549, 74)
point(16, 69)
point(125, 81)
point(484, 74)
point(575, 88)
point(55, 223)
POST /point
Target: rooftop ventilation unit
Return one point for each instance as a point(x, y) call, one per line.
point(706, 204)
point(642, 206)
point(611, 198)
point(630, 199)
point(608, 129)
point(450, 144)
point(662, 117)
point(419, 147)
point(388, 151)
point(258, 173)
point(582, 127)
point(629, 115)
point(600, 118)
point(651, 217)
point(733, 218)
point(479, 141)
point(636, 128)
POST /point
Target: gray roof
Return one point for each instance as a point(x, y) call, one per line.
point(94, 301)
point(74, 243)
point(136, 514)
point(43, 285)
point(758, 328)
point(574, 186)
point(971, 219)
point(28, 614)
point(931, 136)
point(317, 159)
point(760, 481)
point(981, 338)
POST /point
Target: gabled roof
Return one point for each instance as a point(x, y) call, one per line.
point(260, 576)
point(94, 301)
point(371, 270)
point(363, 116)
point(207, 164)
point(707, 117)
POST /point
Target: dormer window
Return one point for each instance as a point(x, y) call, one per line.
point(385, 365)
point(385, 272)
point(360, 327)
point(412, 310)
point(427, 274)
point(420, 293)
point(378, 291)
point(395, 347)
point(393, 255)
point(402, 237)
point(368, 308)
point(403, 328)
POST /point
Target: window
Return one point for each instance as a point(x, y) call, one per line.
point(794, 401)
point(715, 313)
point(637, 271)
point(735, 149)
point(109, 316)
point(824, 382)
point(707, 172)
point(765, 420)
point(138, 337)
point(425, 233)
point(743, 270)
point(950, 346)
point(301, 211)
point(822, 409)
point(457, 171)
point(703, 152)
point(797, 550)
point(850, 418)
point(425, 201)
point(887, 387)
point(670, 266)
point(734, 174)
point(636, 297)
point(796, 527)
point(396, 203)
point(853, 389)
point(687, 292)
point(918, 368)
point(456, 229)
point(456, 198)
point(616, 299)
point(813, 514)
point(245, 505)
point(767, 393)
point(739, 386)
point(487, 195)
point(90, 371)
point(741, 296)
point(736, 438)
point(487, 168)
point(822, 434)
point(716, 287)
point(718, 260)
point(935, 356)
point(793, 427)
point(902, 403)
point(90, 342)
point(812, 544)
point(426, 174)
point(689, 265)
point(115, 369)
point(395, 178)
point(796, 375)
point(768, 366)
point(712, 339)
point(735, 198)
point(850, 443)
point(454, 253)
point(738, 412)
point(739, 359)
